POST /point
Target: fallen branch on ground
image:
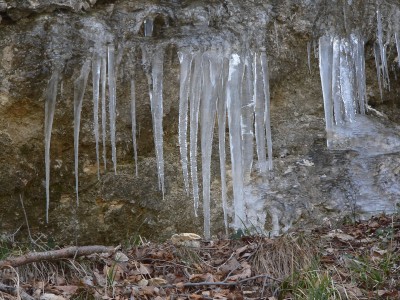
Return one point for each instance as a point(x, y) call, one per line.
point(54, 255)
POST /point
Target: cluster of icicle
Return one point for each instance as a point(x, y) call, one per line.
point(214, 85)
point(102, 66)
point(342, 70)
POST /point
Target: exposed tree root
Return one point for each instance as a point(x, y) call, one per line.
point(54, 255)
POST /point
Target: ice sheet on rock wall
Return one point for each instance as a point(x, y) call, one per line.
point(211, 75)
point(233, 91)
point(103, 78)
point(267, 119)
point(247, 116)
point(156, 102)
point(196, 84)
point(185, 59)
point(221, 112)
point(50, 104)
point(79, 92)
point(96, 70)
point(259, 112)
point(112, 103)
point(133, 121)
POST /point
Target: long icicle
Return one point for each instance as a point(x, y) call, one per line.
point(325, 66)
point(221, 111)
point(259, 112)
point(195, 93)
point(79, 92)
point(133, 119)
point(96, 70)
point(156, 101)
point(112, 103)
point(50, 104)
point(104, 107)
point(208, 107)
point(234, 107)
point(247, 116)
point(264, 68)
point(185, 59)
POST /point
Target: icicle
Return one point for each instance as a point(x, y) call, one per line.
point(96, 68)
point(233, 105)
point(346, 81)
point(148, 27)
point(185, 59)
point(378, 68)
point(325, 66)
point(112, 103)
point(336, 97)
point(382, 48)
point(359, 61)
point(396, 37)
point(133, 119)
point(247, 117)
point(156, 101)
point(50, 104)
point(259, 112)
point(79, 92)
point(103, 76)
point(309, 56)
point(264, 68)
point(211, 75)
point(221, 111)
point(195, 93)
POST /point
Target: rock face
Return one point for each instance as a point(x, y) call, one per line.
point(358, 174)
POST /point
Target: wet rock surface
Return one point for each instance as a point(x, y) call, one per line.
point(308, 182)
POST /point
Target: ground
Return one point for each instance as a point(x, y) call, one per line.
point(354, 260)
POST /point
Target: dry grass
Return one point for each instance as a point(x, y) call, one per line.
point(283, 256)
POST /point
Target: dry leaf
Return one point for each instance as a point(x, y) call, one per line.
point(157, 281)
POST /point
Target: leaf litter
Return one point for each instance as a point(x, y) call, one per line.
point(359, 260)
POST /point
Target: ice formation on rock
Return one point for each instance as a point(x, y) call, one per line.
point(342, 70)
point(215, 84)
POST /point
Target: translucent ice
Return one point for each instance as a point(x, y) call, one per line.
point(79, 92)
point(211, 75)
point(112, 103)
point(195, 94)
point(96, 68)
point(50, 104)
point(185, 59)
point(234, 110)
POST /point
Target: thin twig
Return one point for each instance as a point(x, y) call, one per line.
point(223, 283)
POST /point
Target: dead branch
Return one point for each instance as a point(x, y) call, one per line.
point(14, 291)
point(54, 255)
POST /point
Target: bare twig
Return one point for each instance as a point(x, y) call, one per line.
point(223, 283)
point(54, 255)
